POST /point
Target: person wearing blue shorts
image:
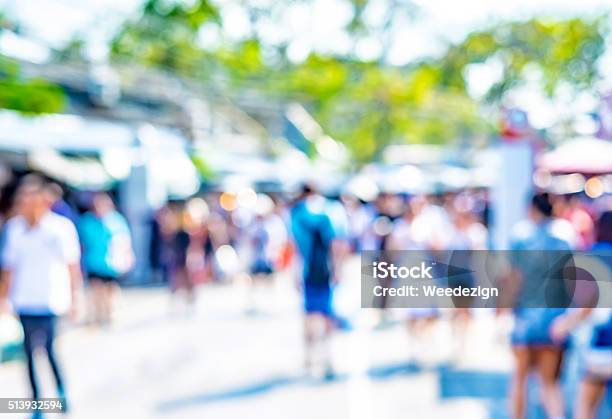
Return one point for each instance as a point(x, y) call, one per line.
point(535, 247)
point(314, 235)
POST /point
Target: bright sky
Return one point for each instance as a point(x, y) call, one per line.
point(319, 27)
point(311, 27)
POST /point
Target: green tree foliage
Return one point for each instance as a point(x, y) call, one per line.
point(366, 105)
point(563, 51)
point(166, 35)
point(27, 96)
point(31, 97)
point(384, 106)
point(72, 52)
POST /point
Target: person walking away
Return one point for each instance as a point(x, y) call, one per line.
point(532, 344)
point(107, 253)
point(314, 235)
point(183, 248)
point(41, 274)
point(59, 204)
point(265, 237)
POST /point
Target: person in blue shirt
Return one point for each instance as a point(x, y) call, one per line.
point(314, 235)
point(535, 249)
point(107, 253)
point(60, 206)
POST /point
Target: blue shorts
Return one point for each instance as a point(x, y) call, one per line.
point(318, 300)
point(532, 326)
point(262, 267)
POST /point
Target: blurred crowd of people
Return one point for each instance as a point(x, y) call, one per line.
point(250, 237)
point(262, 238)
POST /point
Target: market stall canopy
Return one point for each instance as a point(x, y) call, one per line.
point(78, 172)
point(588, 155)
point(66, 133)
point(92, 153)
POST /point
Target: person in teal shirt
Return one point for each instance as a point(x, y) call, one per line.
point(107, 253)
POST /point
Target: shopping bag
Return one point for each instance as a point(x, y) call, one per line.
point(11, 336)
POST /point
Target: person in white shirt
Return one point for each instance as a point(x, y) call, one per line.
point(40, 272)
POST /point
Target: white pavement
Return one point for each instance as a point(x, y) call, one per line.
point(220, 363)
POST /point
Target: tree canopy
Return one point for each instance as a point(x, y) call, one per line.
point(27, 96)
point(366, 104)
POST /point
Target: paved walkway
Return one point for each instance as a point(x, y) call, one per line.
point(157, 362)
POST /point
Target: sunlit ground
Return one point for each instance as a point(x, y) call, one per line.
point(158, 362)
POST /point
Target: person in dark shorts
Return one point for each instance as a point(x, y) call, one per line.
point(175, 243)
point(264, 237)
point(314, 235)
point(107, 253)
point(40, 274)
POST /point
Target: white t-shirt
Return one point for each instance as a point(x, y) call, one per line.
point(38, 258)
